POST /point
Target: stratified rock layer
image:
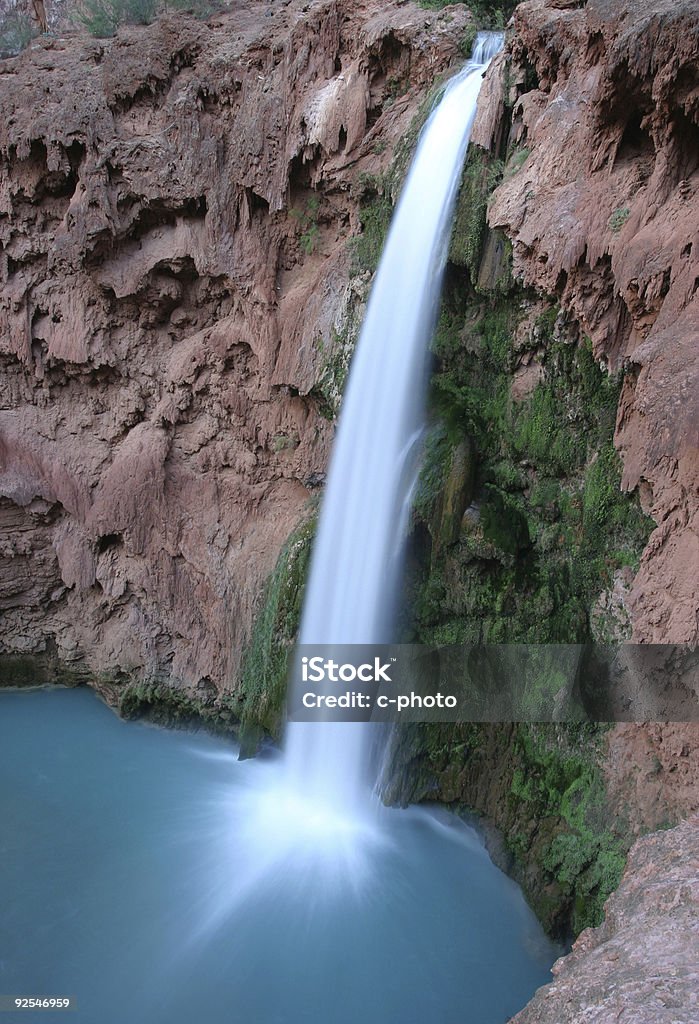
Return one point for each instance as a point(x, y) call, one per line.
point(642, 965)
point(175, 206)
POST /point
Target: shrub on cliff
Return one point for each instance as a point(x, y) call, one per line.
point(102, 18)
point(487, 14)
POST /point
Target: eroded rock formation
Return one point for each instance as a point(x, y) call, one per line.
point(601, 205)
point(600, 201)
point(642, 965)
point(175, 208)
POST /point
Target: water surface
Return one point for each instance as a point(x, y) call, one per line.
point(155, 878)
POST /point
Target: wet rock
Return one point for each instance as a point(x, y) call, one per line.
point(456, 495)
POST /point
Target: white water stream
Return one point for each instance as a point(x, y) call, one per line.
point(355, 569)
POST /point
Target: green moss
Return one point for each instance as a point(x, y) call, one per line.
point(618, 219)
point(550, 526)
point(517, 159)
point(284, 442)
point(481, 175)
point(332, 375)
point(160, 703)
point(264, 669)
point(504, 521)
point(437, 455)
point(366, 248)
point(540, 437)
point(563, 780)
point(546, 795)
point(307, 220)
point(548, 486)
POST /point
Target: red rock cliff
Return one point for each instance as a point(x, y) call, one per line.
point(603, 212)
point(175, 206)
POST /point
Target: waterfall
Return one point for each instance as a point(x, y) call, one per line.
point(355, 568)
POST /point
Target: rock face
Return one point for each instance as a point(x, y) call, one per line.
point(642, 965)
point(600, 201)
point(652, 772)
point(175, 207)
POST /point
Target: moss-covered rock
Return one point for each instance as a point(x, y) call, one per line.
point(550, 524)
point(265, 664)
point(543, 788)
point(546, 533)
point(454, 496)
point(480, 177)
point(45, 668)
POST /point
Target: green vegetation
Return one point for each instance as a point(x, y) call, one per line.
point(467, 40)
point(284, 442)
point(102, 18)
point(307, 220)
point(551, 524)
point(560, 778)
point(517, 159)
point(618, 219)
point(332, 375)
point(264, 671)
point(160, 702)
point(437, 455)
point(543, 787)
point(481, 176)
point(375, 213)
point(487, 14)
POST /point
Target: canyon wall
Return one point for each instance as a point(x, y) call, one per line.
point(176, 303)
point(599, 200)
point(602, 211)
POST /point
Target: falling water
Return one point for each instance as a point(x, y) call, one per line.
point(351, 593)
